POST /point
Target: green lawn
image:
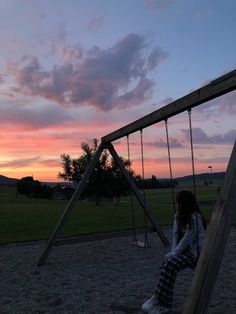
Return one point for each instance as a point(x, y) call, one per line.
point(23, 219)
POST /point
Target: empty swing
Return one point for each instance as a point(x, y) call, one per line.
point(135, 241)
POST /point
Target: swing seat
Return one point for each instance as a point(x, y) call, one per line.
point(141, 244)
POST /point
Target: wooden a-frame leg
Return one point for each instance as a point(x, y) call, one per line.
point(70, 206)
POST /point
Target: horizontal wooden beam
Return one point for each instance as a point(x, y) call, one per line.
point(216, 88)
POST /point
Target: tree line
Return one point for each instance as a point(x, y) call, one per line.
point(106, 180)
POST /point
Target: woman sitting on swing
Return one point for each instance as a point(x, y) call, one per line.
point(188, 237)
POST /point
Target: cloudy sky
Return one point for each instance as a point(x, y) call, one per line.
point(74, 70)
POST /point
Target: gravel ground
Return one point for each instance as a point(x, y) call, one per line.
point(105, 276)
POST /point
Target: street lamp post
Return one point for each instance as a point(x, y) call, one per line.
point(210, 167)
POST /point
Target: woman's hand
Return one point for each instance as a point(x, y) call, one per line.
point(169, 255)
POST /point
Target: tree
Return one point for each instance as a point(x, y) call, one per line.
point(106, 179)
point(73, 169)
point(33, 188)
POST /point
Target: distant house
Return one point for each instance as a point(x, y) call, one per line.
point(62, 192)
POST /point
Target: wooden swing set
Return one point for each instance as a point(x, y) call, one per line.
point(219, 227)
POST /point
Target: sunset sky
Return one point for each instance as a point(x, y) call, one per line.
point(74, 70)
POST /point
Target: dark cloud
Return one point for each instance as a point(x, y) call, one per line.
point(174, 143)
point(137, 95)
point(104, 79)
point(155, 57)
point(96, 22)
point(200, 137)
point(33, 117)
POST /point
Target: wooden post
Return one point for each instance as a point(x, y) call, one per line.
point(138, 195)
point(216, 237)
point(70, 206)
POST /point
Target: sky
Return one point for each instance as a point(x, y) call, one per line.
point(75, 70)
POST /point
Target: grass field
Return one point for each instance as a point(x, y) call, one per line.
point(23, 219)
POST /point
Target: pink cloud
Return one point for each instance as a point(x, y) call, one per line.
point(227, 103)
point(219, 106)
point(100, 78)
point(19, 163)
point(27, 117)
point(71, 53)
point(1, 79)
point(96, 22)
point(166, 101)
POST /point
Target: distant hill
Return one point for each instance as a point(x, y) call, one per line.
point(215, 177)
point(8, 181)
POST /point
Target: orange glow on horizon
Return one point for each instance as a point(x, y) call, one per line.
point(49, 173)
point(38, 154)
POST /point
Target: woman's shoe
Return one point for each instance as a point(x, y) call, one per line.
point(149, 305)
point(157, 309)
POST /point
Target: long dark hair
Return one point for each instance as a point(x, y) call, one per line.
point(187, 205)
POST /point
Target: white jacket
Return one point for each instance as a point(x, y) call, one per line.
point(192, 239)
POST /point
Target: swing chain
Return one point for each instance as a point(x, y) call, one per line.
point(170, 166)
point(146, 244)
point(194, 181)
point(192, 154)
point(131, 195)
